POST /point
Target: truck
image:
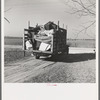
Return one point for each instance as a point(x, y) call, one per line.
point(57, 42)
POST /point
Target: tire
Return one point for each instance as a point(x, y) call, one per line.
point(37, 56)
point(54, 56)
point(67, 51)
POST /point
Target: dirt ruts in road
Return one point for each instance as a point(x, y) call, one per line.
point(71, 68)
point(16, 72)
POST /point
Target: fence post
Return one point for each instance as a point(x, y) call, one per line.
point(28, 24)
point(58, 26)
point(24, 42)
point(66, 33)
point(36, 24)
point(63, 25)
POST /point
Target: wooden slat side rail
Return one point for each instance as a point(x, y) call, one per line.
point(29, 30)
point(58, 40)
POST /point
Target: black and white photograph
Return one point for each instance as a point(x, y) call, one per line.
point(49, 49)
point(50, 41)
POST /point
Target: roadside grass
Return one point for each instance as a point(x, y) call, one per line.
point(13, 54)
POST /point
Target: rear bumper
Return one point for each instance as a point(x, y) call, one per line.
point(42, 52)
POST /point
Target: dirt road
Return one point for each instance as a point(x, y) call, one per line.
point(72, 68)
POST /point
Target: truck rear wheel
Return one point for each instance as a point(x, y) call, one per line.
point(67, 50)
point(37, 56)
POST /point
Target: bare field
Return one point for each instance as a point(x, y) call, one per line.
point(13, 40)
point(86, 43)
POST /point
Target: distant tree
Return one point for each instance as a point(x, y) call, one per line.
point(83, 8)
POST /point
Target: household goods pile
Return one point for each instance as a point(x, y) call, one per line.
point(40, 37)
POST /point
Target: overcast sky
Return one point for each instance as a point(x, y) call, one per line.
point(39, 11)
